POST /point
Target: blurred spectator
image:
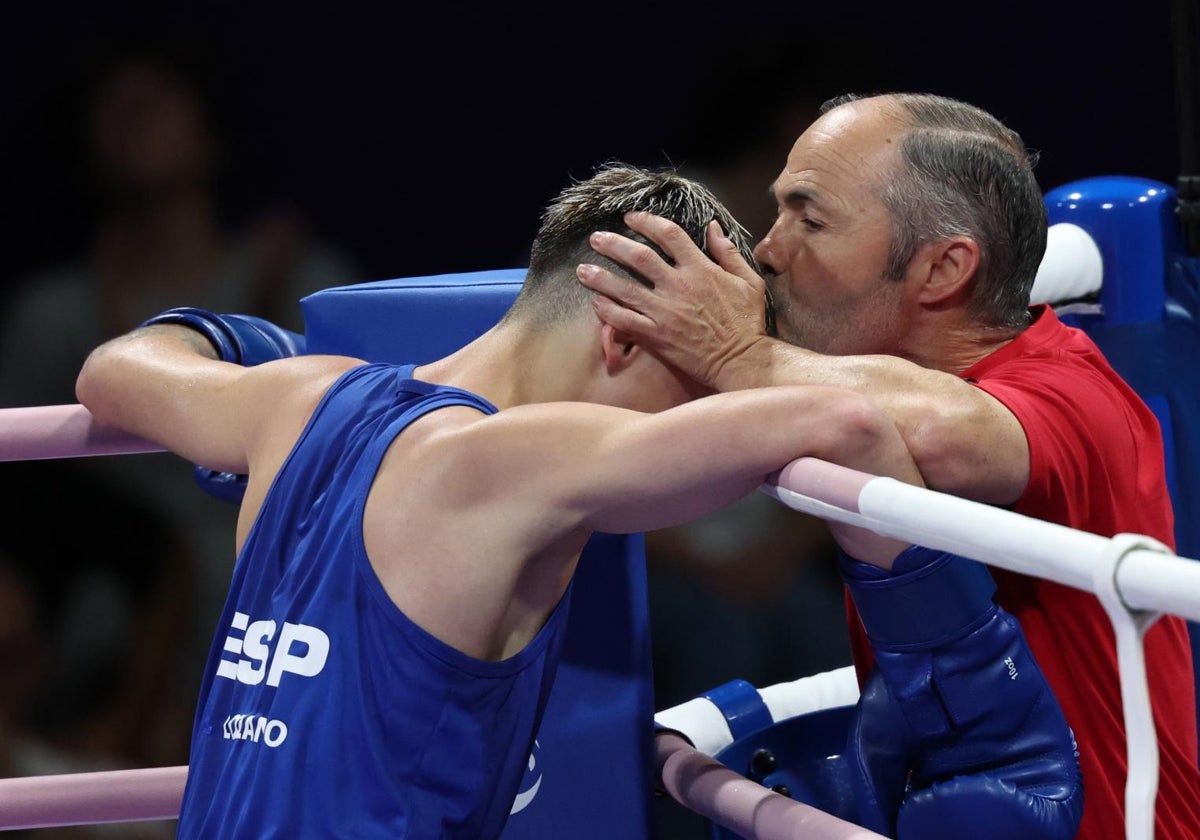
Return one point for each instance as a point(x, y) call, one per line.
point(151, 151)
point(137, 592)
point(28, 747)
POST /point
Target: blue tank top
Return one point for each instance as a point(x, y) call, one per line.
point(324, 711)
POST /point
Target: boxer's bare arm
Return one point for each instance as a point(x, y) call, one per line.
point(608, 469)
point(162, 383)
point(474, 522)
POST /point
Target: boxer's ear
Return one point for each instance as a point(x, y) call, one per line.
point(618, 347)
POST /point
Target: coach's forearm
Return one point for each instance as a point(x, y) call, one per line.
point(963, 440)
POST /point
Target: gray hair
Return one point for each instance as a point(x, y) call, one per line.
point(964, 173)
point(551, 291)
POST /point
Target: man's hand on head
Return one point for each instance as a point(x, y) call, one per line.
point(700, 313)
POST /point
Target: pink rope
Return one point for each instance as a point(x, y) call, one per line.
point(830, 483)
point(732, 801)
point(61, 431)
point(86, 798)
point(70, 431)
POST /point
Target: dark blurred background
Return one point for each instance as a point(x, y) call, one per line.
point(240, 155)
point(424, 138)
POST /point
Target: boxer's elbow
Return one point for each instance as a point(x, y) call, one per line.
point(98, 384)
point(87, 386)
point(868, 439)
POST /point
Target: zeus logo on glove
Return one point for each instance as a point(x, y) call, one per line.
point(300, 649)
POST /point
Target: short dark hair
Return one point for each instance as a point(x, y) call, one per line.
point(551, 291)
point(964, 173)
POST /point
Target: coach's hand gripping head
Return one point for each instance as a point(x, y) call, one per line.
point(957, 734)
point(243, 340)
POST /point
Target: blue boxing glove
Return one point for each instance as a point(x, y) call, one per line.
point(957, 733)
point(243, 340)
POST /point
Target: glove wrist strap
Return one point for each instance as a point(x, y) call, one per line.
point(929, 606)
point(205, 323)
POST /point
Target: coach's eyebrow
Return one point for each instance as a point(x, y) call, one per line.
point(801, 196)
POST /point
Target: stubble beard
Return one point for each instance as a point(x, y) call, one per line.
point(866, 325)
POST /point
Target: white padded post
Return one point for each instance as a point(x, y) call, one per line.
point(1071, 268)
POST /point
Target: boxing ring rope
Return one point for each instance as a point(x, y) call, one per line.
point(108, 796)
point(61, 431)
point(712, 790)
point(1136, 578)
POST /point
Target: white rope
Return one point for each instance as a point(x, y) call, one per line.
point(704, 724)
point(1146, 579)
point(1135, 577)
